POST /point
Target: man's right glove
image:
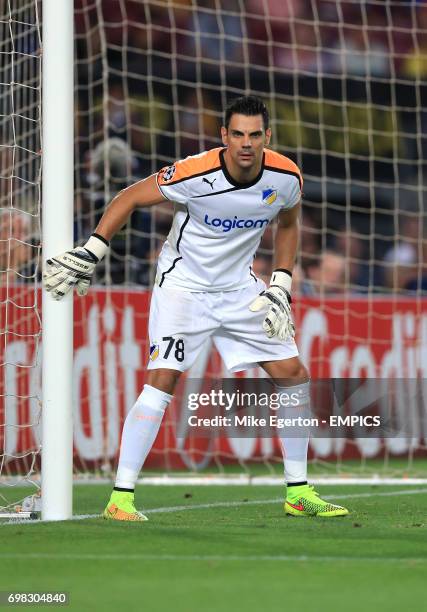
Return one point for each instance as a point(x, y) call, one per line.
point(277, 300)
point(74, 268)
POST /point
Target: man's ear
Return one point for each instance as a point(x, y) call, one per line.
point(224, 135)
point(267, 136)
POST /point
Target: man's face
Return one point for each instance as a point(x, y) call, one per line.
point(246, 139)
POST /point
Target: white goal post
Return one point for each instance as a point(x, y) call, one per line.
point(57, 209)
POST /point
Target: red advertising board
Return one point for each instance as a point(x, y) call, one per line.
point(345, 337)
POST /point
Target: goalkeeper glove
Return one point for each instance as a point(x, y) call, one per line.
point(74, 268)
point(277, 299)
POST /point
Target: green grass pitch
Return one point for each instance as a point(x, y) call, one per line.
point(228, 548)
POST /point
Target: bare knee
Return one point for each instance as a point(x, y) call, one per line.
point(163, 379)
point(287, 372)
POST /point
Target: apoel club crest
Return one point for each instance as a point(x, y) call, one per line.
point(154, 352)
point(269, 196)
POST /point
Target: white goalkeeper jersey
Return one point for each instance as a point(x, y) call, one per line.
point(218, 223)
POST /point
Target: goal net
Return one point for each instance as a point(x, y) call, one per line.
point(345, 82)
point(20, 246)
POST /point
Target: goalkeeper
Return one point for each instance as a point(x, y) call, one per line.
point(223, 200)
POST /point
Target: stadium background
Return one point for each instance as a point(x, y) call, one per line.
point(345, 84)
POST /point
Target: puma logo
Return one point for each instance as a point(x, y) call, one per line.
point(205, 180)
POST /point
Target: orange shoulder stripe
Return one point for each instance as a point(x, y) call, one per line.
point(195, 165)
point(277, 161)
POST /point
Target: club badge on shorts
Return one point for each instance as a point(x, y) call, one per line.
point(269, 196)
point(154, 352)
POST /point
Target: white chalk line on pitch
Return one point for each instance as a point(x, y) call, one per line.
point(255, 502)
point(231, 504)
point(166, 557)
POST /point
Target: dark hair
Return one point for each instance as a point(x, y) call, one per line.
point(249, 106)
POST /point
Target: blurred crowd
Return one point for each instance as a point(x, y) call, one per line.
point(152, 79)
point(361, 37)
point(334, 263)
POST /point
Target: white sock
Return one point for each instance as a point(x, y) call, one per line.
point(140, 430)
point(295, 448)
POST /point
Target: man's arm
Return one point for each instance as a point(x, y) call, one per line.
point(277, 298)
point(287, 237)
point(141, 194)
point(76, 267)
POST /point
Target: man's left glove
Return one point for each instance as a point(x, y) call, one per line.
point(277, 299)
point(74, 268)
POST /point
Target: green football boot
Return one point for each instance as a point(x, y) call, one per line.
point(121, 507)
point(304, 501)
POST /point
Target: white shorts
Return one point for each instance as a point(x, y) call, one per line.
point(181, 322)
